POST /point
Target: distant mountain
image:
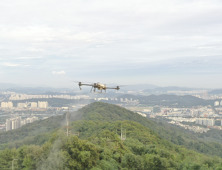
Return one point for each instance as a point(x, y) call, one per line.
point(159, 90)
point(4, 86)
point(168, 100)
point(136, 87)
point(37, 90)
point(217, 91)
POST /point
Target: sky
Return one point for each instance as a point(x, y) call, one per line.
point(167, 43)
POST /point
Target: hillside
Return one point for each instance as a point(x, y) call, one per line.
point(30, 133)
point(105, 112)
point(40, 131)
point(103, 150)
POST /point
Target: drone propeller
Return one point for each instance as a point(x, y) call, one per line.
point(81, 82)
point(117, 86)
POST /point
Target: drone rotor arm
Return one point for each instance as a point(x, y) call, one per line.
point(87, 85)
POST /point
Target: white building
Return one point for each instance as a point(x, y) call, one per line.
point(34, 105)
point(43, 105)
point(206, 122)
point(6, 104)
point(216, 103)
point(29, 120)
point(21, 105)
point(8, 125)
point(13, 123)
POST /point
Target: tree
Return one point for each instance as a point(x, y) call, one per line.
point(80, 154)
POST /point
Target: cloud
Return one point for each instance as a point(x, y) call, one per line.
point(58, 72)
point(95, 38)
point(11, 65)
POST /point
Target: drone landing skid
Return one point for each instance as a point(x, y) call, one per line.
point(98, 92)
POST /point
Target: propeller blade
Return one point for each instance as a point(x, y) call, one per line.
point(123, 85)
point(82, 82)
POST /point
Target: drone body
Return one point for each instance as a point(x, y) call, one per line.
point(97, 86)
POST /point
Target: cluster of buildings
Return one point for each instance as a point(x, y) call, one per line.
point(219, 110)
point(201, 111)
point(122, 100)
point(15, 96)
point(200, 115)
point(195, 129)
point(40, 104)
point(182, 119)
point(13, 123)
point(26, 96)
point(203, 94)
point(6, 104)
point(17, 122)
point(217, 103)
point(126, 100)
point(210, 123)
point(207, 122)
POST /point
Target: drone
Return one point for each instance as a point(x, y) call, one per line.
point(98, 86)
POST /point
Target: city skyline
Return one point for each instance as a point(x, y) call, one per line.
point(165, 43)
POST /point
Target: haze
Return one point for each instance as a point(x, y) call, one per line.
point(157, 42)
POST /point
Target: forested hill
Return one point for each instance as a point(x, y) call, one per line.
point(99, 145)
point(105, 112)
point(40, 131)
point(104, 150)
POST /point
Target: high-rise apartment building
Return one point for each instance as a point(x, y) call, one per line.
point(16, 122)
point(216, 103)
point(21, 105)
point(8, 125)
point(13, 123)
point(205, 94)
point(29, 120)
point(34, 104)
point(6, 104)
point(206, 122)
point(43, 105)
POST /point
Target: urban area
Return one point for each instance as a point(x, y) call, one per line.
point(196, 119)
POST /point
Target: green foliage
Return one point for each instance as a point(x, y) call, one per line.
point(106, 151)
point(80, 154)
point(33, 133)
point(6, 157)
point(173, 134)
point(99, 146)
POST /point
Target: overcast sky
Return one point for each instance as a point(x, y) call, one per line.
point(52, 42)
